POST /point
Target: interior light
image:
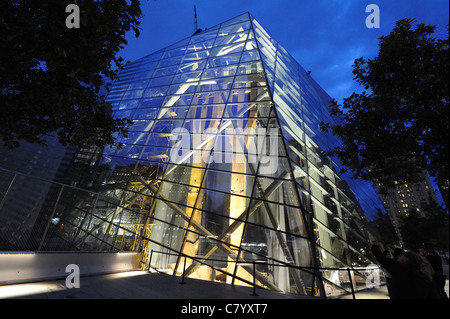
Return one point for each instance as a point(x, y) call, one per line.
point(129, 274)
point(23, 290)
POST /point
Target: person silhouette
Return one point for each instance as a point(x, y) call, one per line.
point(427, 250)
point(408, 281)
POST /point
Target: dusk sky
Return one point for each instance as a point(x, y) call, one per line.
point(324, 36)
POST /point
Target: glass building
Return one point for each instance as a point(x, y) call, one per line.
point(223, 175)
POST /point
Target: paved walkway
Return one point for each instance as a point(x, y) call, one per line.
point(145, 285)
point(137, 285)
point(374, 293)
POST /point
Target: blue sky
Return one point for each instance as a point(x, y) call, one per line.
point(324, 36)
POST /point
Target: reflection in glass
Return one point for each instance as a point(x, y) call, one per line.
point(225, 165)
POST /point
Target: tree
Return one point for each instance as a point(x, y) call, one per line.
point(430, 226)
point(381, 226)
point(51, 75)
point(398, 126)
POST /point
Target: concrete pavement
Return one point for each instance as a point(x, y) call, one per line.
point(145, 285)
point(138, 285)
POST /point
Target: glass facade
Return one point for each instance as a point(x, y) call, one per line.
point(23, 200)
point(223, 175)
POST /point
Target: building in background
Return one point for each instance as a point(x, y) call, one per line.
point(225, 165)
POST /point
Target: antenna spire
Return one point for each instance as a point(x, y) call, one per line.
point(195, 19)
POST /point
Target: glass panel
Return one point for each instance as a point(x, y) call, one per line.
point(187, 77)
point(177, 192)
point(262, 36)
point(130, 104)
point(123, 113)
point(193, 66)
point(220, 204)
point(145, 114)
point(201, 125)
point(248, 110)
point(206, 111)
point(183, 88)
point(165, 80)
point(215, 84)
point(151, 102)
point(268, 58)
point(166, 126)
point(155, 154)
point(196, 56)
point(174, 53)
point(219, 72)
point(131, 151)
point(165, 71)
point(231, 39)
point(252, 67)
point(251, 94)
point(203, 36)
point(173, 112)
point(141, 125)
point(250, 45)
point(178, 100)
point(156, 91)
point(211, 97)
point(224, 60)
point(186, 175)
point(169, 62)
point(239, 126)
point(251, 80)
point(250, 56)
point(238, 184)
point(136, 94)
point(159, 139)
point(228, 49)
point(274, 166)
point(167, 228)
point(248, 144)
point(200, 46)
point(234, 28)
point(138, 85)
point(135, 138)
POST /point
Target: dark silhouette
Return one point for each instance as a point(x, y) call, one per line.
point(407, 282)
point(387, 254)
point(398, 252)
point(436, 262)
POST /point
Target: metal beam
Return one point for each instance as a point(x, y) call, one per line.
point(233, 227)
point(222, 246)
point(287, 254)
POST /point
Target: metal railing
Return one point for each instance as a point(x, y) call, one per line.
point(349, 271)
point(62, 191)
point(35, 206)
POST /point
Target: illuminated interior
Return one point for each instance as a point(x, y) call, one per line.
point(217, 207)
